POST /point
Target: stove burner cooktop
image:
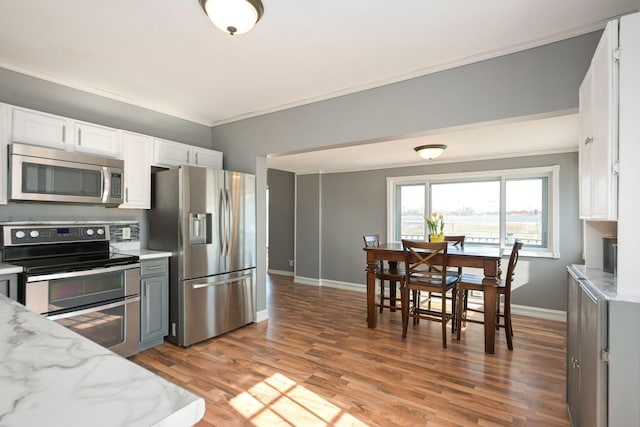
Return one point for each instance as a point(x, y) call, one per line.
point(39, 266)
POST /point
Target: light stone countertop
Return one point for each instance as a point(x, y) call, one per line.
point(603, 283)
point(52, 376)
point(144, 254)
point(9, 268)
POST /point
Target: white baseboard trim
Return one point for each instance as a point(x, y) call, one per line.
point(521, 310)
point(261, 316)
point(540, 313)
point(306, 281)
point(344, 285)
point(281, 272)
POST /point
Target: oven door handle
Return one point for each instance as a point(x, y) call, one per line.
point(93, 309)
point(80, 273)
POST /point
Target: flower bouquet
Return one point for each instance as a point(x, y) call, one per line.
point(435, 223)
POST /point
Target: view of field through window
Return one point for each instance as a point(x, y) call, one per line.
point(473, 209)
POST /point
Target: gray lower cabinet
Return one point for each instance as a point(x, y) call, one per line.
point(586, 355)
point(9, 286)
point(603, 352)
point(154, 302)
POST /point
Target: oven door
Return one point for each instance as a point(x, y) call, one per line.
point(57, 292)
point(115, 326)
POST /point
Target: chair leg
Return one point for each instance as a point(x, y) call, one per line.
point(392, 294)
point(508, 327)
point(404, 295)
point(460, 303)
point(444, 322)
point(454, 309)
point(381, 295)
point(416, 306)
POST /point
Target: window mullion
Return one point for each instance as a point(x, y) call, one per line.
point(503, 211)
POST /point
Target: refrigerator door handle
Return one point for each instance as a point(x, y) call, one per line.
point(229, 219)
point(222, 224)
point(222, 282)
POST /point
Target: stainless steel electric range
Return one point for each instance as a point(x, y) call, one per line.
point(69, 276)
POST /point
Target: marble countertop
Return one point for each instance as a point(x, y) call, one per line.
point(9, 268)
point(144, 254)
point(603, 283)
point(52, 376)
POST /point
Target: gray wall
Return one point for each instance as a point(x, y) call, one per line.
point(308, 232)
point(29, 92)
point(354, 204)
point(281, 219)
point(24, 91)
point(535, 81)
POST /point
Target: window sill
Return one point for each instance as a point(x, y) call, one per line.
point(533, 253)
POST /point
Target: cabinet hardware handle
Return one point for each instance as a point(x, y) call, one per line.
point(188, 157)
point(196, 158)
point(64, 133)
point(126, 195)
point(79, 136)
point(588, 140)
point(155, 267)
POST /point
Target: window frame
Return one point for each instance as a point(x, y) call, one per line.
point(552, 173)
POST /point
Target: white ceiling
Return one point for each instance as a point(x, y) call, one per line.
point(165, 55)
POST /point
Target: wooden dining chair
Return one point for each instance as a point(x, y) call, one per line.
point(426, 270)
point(471, 282)
point(391, 274)
point(454, 241)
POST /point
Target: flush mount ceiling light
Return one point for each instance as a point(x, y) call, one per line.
point(430, 151)
point(233, 16)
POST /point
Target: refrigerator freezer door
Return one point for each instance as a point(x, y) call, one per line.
point(215, 305)
point(200, 192)
point(239, 222)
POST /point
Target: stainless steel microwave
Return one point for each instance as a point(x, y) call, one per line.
point(40, 174)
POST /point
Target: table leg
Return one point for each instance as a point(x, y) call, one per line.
point(489, 292)
point(489, 285)
point(372, 318)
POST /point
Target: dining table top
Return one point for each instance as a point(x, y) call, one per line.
point(469, 250)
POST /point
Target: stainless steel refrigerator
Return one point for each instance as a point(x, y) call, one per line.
point(206, 218)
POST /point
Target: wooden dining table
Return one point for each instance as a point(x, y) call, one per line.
point(486, 258)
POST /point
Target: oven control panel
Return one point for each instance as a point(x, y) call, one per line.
point(39, 234)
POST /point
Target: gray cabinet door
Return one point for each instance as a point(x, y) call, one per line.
point(9, 286)
point(154, 313)
point(573, 348)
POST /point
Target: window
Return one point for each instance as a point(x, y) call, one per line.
point(489, 208)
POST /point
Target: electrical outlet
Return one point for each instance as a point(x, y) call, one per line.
point(290, 263)
point(126, 233)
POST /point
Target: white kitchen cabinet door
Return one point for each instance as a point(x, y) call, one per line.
point(599, 132)
point(94, 139)
point(604, 204)
point(37, 128)
point(5, 121)
point(585, 149)
point(207, 158)
point(170, 153)
point(136, 152)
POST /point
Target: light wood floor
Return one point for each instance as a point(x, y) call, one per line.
point(315, 362)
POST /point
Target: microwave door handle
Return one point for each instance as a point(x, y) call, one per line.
point(106, 184)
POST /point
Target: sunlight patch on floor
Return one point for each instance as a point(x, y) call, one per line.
point(280, 401)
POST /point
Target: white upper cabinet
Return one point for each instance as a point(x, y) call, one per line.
point(136, 152)
point(94, 139)
point(599, 131)
point(48, 130)
point(207, 158)
point(171, 153)
point(5, 127)
point(34, 127)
